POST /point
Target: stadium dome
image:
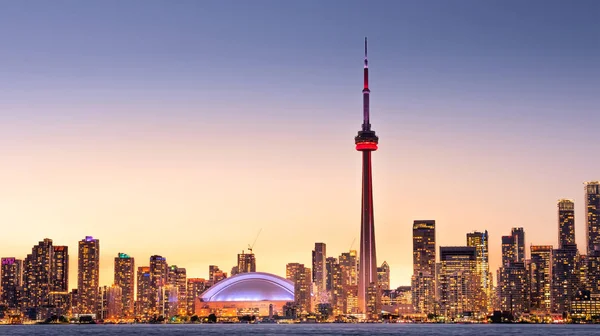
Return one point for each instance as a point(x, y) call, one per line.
point(254, 286)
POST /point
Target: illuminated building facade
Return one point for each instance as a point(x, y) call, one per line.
point(479, 240)
point(566, 222)
point(424, 266)
point(540, 292)
point(592, 207)
point(512, 284)
point(255, 293)
point(37, 274)
point(565, 279)
point(319, 271)
point(59, 275)
point(88, 276)
point(246, 262)
point(330, 264)
point(519, 241)
point(457, 280)
point(366, 142)
point(159, 276)
point(195, 288)
point(125, 279)
point(144, 292)
point(383, 276)
point(215, 274)
point(178, 279)
point(593, 272)
point(302, 279)
point(114, 302)
point(11, 279)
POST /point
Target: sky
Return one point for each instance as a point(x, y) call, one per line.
point(183, 128)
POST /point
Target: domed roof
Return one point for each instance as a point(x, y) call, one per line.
point(254, 286)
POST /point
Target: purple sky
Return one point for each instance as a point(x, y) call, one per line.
point(207, 120)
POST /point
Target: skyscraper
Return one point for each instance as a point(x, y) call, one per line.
point(519, 239)
point(302, 278)
point(88, 276)
point(246, 262)
point(125, 278)
point(59, 276)
point(11, 279)
point(195, 288)
point(457, 281)
point(144, 292)
point(512, 284)
point(319, 271)
point(566, 223)
point(178, 279)
point(508, 250)
point(424, 275)
point(592, 209)
point(37, 274)
point(479, 240)
point(159, 274)
point(541, 278)
point(565, 278)
point(383, 276)
point(330, 264)
point(366, 142)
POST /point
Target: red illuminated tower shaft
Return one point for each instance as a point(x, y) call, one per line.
point(366, 142)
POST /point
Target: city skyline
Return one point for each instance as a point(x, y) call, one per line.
point(122, 158)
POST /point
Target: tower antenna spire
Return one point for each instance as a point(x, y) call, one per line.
point(366, 61)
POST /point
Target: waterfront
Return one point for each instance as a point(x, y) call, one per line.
point(305, 329)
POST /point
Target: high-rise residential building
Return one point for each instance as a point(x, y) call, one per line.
point(424, 267)
point(170, 301)
point(114, 302)
point(565, 278)
point(215, 275)
point(383, 276)
point(302, 278)
point(479, 240)
point(349, 268)
point(319, 271)
point(366, 142)
point(592, 209)
point(88, 276)
point(195, 288)
point(330, 264)
point(519, 241)
point(37, 274)
point(566, 223)
point(159, 276)
point(125, 279)
point(246, 263)
point(59, 276)
point(512, 283)
point(593, 272)
point(540, 291)
point(178, 279)
point(11, 279)
point(424, 247)
point(144, 292)
point(457, 280)
point(508, 250)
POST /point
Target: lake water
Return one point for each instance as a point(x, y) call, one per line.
point(306, 329)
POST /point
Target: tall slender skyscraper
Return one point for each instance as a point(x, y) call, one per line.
point(540, 288)
point(479, 240)
point(519, 237)
point(566, 223)
point(125, 278)
point(11, 280)
point(319, 275)
point(88, 276)
point(423, 279)
point(366, 142)
point(59, 276)
point(592, 209)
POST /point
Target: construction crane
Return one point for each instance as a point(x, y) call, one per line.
point(251, 247)
point(350, 249)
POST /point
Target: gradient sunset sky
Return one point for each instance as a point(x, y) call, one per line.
point(181, 128)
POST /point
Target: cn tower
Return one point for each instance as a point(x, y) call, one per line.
point(366, 142)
